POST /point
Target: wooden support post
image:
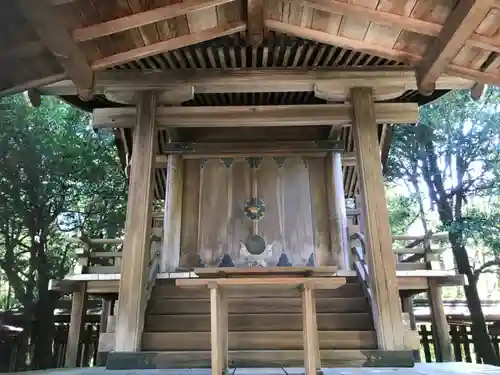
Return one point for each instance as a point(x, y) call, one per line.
point(407, 303)
point(76, 323)
point(218, 330)
point(103, 327)
point(337, 212)
point(439, 324)
point(171, 249)
point(379, 257)
point(312, 360)
point(132, 291)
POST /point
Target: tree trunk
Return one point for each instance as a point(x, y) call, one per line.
point(480, 334)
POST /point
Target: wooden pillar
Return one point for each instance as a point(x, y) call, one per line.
point(379, 257)
point(312, 360)
point(171, 248)
point(136, 244)
point(441, 330)
point(218, 329)
point(407, 303)
point(76, 323)
point(337, 212)
point(103, 327)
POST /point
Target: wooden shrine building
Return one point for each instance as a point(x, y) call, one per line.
point(261, 128)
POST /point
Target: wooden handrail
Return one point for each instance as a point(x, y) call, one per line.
point(360, 265)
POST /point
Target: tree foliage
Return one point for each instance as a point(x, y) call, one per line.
point(56, 176)
point(453, 155)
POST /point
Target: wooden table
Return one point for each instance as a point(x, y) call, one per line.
point(219, 287)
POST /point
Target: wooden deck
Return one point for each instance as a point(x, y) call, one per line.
point(450, 368)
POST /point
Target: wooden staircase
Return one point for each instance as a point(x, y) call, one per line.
point(265, 326)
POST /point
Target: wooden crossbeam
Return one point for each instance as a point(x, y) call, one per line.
point(143, 18)
point(168, 45)
point(56, 38)
point(254, 116)
point(398, 21)
point(333, 81)
point(459, 26)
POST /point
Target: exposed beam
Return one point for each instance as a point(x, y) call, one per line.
point(143, 18)
point(38, 83)
point(255, 116)
point(460, 25)
point(388, 53)
point(168, 45)
point(255, 22)
point(333, 81)
point(56, 38)
point(398, 21)
point(348, 158)
point(240, 149)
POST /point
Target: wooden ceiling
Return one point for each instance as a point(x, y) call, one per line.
point(48, 38)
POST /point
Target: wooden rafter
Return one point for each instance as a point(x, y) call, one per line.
point(252, 116)
point(143, 18)
point(255, 22)
point(369, 48)
point(168, 45)
point(459, 26)
point(56, 38)
point(395, 20)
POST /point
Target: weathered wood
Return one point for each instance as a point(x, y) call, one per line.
point(54, 35)
point(169, 45)
point(377, 234)
point(255, 80)
point(264, 272)
point(103, 329)
point(252, 116)
point(261, 340)
point(133, 280)
point(171, 247)
point(254, 306)
point(260, 358)
point(190, 213)
point(337, 211)
point(412, 24)
point(319, 211)
point(76, 325)
point(167, 289)
point(143, 18)
point(439, 323)
point(242, 149)
point(311, 282)
point(258, 322)
point(215, 331)
point(312, 361)
point(459, 26)
point(255, 22)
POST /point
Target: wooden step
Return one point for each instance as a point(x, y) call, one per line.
point(259, 358)
point(258, 322)
point(257, 305)
point(264, 340)
point(168, 290)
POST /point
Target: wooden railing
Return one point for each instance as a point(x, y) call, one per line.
point(422, 252)
point(97, 255)
point(358, 249)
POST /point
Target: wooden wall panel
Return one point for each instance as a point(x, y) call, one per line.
point(190, 207)
point(214, 206)
point(299, 238)
point(294, 227)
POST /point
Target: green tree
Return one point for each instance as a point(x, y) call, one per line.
point(453, 151)
point(56, 175)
